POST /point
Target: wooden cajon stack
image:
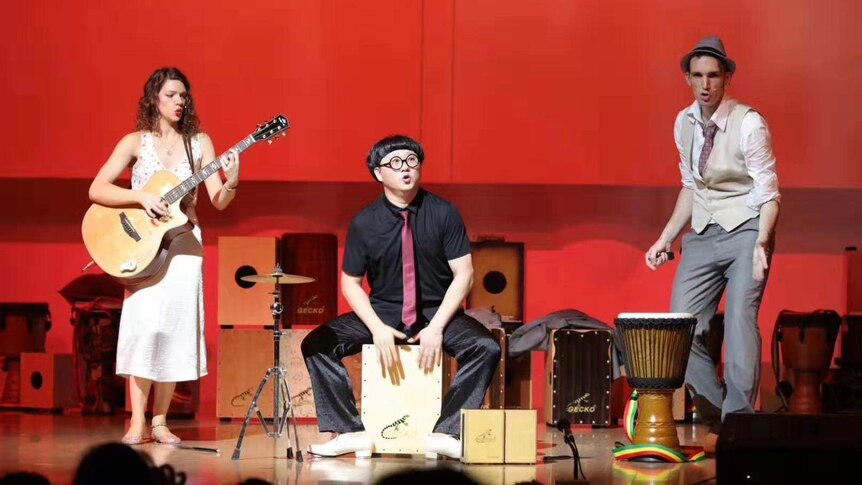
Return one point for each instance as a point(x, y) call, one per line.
point(399, 408)
point(246, 337)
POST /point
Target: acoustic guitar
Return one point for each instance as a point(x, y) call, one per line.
point(130, 245)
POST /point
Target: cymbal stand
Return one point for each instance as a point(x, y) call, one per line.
point(282, 405)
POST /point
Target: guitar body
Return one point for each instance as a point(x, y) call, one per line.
point(125, 242)
point(132, 247)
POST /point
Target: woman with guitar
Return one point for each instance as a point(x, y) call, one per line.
point(161, 339)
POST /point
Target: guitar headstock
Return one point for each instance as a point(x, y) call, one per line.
point(271, 129)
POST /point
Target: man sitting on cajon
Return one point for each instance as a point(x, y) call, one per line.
point(413, 247)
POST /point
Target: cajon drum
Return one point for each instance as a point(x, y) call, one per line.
point(241, 303)
point(244, 357)
point(578, 370)
point(47, 381)
point(399, 408)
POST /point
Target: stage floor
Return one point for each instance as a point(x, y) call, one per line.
point(53, 444)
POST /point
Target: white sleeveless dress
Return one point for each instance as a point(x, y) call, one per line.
point(162, 324)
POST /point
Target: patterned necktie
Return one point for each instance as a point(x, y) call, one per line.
point(709, 131)
point(408, 266)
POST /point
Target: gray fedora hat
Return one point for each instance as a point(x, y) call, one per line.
point(710, 46)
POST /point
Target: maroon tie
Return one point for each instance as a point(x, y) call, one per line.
point(708, 136)
point(408, 311)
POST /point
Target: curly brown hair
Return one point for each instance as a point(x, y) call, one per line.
point(148, 105)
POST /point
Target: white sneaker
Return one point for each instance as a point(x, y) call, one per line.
point(358, 443)
point(442, 444)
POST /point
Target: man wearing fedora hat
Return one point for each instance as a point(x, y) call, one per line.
point(730, 198)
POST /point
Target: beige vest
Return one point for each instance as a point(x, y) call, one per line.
point(721, 192)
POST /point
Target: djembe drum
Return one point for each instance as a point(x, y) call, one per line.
point(807, 342)
point(657, 346)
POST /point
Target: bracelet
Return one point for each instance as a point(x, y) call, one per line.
point(229, 189)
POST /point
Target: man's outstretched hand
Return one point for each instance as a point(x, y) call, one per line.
point(430, 347)
point(384, 341)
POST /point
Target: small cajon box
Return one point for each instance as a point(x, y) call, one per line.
point(400, 405)
point(578, 372)
point(521, 437)
point(498, 436)
point(47, 381)
point(483, 432)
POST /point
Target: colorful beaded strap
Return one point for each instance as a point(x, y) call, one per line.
point(650, 452)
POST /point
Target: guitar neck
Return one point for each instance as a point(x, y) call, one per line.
point(190, 183)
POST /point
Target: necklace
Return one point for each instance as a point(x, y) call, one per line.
point(168, 151)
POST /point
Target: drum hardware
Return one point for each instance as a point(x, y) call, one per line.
point(282, 404)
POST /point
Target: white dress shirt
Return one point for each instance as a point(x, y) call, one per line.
point(754, 142)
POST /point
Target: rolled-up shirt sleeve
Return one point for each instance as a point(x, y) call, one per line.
point(687, 178)
point(756, 145)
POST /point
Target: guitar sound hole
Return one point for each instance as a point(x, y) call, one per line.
point(244, 270)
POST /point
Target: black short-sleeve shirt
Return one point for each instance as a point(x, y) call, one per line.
point(373, 249)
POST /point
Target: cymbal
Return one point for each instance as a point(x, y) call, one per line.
point(277, 278)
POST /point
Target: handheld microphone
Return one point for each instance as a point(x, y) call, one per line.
point(669, 254)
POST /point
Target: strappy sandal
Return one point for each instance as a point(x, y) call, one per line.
point(135, 439)
point(167, 437)
point(132, 439)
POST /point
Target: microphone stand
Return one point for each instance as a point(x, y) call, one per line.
point(576, 457)
point(577, 470)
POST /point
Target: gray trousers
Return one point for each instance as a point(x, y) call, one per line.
point(712, 262)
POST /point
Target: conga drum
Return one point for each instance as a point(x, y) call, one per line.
point(807, 342)
point(656, 347)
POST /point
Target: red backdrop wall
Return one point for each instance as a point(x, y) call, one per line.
point(547, 122)
point(541, 91)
